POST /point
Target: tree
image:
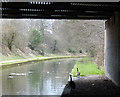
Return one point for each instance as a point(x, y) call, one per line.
point(55, 48)
point(10, 41)
point(35, 39)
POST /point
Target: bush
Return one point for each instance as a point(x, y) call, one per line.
point(71, 51)
point(80, 51)
point(41, 52)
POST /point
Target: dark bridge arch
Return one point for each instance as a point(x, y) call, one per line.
point(108, 11)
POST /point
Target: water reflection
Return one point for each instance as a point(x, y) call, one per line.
point(41, 78)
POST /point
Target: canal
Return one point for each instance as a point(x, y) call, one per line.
point(37, 78)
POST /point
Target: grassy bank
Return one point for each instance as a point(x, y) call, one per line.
point(87, 67)
point(10, 62)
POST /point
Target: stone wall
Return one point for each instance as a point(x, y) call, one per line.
point(112, 48)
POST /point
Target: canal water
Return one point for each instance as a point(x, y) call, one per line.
point(37, 78)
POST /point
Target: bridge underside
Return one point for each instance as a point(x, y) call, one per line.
point(76, 10)
point(59, 10)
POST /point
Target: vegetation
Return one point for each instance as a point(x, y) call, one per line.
point(35, 39)
point(87, 67)
point(55, 48)
point(39, 58)
point(71, 51)
point(3, 58)
point(80, 51)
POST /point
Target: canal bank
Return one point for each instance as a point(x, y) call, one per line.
point(13, 62)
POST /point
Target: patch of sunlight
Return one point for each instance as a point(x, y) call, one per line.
point(87, 67)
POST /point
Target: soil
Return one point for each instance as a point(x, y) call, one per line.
point(92, 86)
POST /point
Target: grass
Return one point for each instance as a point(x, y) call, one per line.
point(15, 57)
point(4, 58)
point(36, 58)
point(87, 67)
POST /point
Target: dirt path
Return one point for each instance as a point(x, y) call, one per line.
point(92, 86)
